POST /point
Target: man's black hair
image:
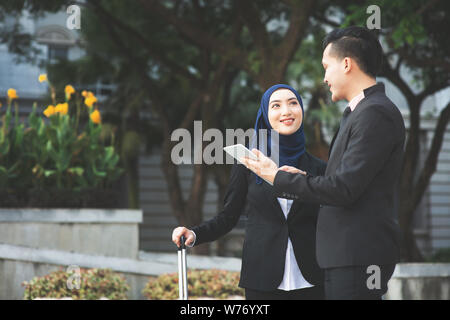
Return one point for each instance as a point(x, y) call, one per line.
point(358, 43)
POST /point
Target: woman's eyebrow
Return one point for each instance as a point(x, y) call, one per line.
point(280, 100)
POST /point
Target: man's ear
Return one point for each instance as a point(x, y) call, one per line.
point(347, 64)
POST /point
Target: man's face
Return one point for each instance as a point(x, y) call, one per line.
point(334, 74)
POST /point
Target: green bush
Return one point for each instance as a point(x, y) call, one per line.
point(441, 255)
point(65, 148)
point(201, 283)
point(93, 284)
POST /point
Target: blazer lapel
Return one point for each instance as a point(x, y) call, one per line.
point(332, 142)
point(343, 128)
point(272, 199)
point(303, 165)
point(295, 207)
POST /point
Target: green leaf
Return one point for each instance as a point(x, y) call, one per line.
point(98, 173)
point(76, 170)
point(48, 173)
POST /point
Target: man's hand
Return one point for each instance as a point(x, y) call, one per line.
point(292, 170)
point(263, 167)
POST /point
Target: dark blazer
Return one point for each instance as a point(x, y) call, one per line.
point(267, 229)
point(357, 222)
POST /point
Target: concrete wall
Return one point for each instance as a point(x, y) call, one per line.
point(420, 281)
point(90, 231)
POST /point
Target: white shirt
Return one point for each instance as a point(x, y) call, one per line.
point(354, 102)
point(293, 278)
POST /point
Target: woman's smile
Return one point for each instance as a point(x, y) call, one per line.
point(287, 121)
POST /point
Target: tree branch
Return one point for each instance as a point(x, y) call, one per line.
point(396, 79)
point(151, 48)
point(197, 36)
point(257, 29)
point(295, 33)
point(432, 88)
point(426, 6)
point(326, 21)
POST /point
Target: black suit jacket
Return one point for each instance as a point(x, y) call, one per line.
point(267, 229)
point(357, 222)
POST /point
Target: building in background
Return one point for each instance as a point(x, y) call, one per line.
point(56, 42)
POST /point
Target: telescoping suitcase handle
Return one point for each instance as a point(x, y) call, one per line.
point(182, 270)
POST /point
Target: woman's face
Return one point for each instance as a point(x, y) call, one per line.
point(285, 113)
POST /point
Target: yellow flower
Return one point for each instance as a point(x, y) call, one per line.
point(90, 100)
point(69, 90)
point(42, 77)
point(85, 93)
point(12, 94)
point(62, 108)
point(95, 117)
point(49, 111)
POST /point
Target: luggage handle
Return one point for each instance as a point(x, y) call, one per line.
point(182, 270)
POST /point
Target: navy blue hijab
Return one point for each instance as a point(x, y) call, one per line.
point(292, 146)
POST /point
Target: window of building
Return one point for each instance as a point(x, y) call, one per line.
point(58, 41)
point(55, 53)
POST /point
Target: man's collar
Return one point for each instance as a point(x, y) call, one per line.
point(366, 92)
point(379, 86)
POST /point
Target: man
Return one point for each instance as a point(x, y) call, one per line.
point(357, 233)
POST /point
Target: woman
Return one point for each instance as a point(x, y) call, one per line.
point(279, 256)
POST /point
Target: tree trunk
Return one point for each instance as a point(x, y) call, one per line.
point(318, 147)
point(409, 249)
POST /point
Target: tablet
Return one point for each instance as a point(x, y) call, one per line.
point(238, 151)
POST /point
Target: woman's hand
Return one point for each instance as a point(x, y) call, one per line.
point(182, 231)
point(292, 170)
point(263, 167)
